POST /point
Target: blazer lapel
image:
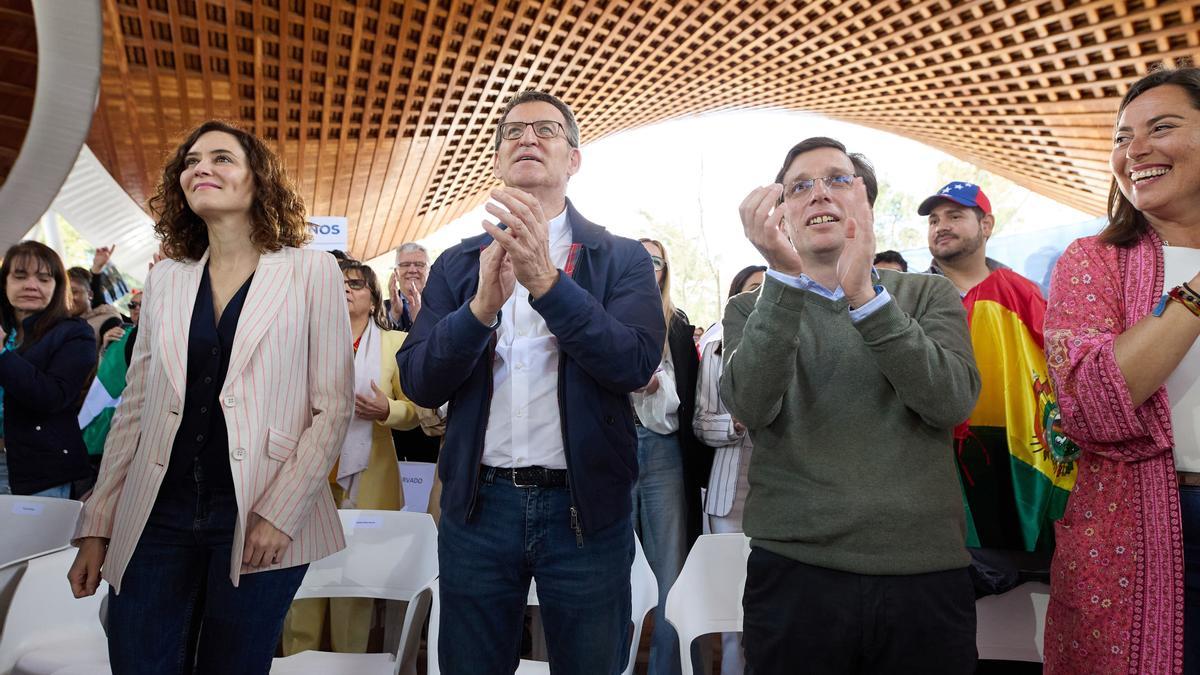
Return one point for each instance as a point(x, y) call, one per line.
point(263, 305)
point(177, 321)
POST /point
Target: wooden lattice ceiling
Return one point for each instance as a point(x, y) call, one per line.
point(383, 109)
point(18, 78)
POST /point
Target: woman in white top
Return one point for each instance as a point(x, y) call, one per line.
point(672, 464)
point(728, 483)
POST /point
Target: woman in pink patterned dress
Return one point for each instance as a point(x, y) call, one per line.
point(1117, 601)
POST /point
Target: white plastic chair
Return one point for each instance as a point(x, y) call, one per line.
point(391, 555)
point(35, 525)
point(707, 596)
point(1010, 626)
point(47, 629)
point(644, 596)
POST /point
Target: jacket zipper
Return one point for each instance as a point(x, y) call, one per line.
point(576, 521)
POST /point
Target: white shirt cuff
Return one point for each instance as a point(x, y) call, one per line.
point(882, 297)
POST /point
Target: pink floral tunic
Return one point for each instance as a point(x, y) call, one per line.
point(1116, 594)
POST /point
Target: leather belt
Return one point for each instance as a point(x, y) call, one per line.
point(525, 476)
point(1189, 479)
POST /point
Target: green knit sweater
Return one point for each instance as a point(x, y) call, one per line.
point(852, 423)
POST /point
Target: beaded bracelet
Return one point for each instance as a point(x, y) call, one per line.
point(1184, 296)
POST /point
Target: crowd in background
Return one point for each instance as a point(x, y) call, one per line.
point(885, 437)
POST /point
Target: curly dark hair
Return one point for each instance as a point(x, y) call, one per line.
point(277, 212)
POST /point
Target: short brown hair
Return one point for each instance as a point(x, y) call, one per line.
point(862, 167)
point(1126, 224)
point(36, 255)
point(276, 214)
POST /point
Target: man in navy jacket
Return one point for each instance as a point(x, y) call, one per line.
point(535, 332)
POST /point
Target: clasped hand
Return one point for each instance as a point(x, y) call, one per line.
point(519, 253)
point(763, 223)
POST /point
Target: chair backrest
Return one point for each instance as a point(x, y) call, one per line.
point(389, 555)
point(707, 596)
point(1009, 626)
point(644, 592)
point(34, 525)
point(643, 589)
point(44, 611)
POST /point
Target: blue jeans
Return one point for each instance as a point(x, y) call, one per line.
point(485, 565)
point(178, 612)
point(659, 515)
point(60, 491)
point(1189, 507)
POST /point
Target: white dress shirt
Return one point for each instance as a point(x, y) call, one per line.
point(524, 427)
point(807, 283)
point(1183, 384)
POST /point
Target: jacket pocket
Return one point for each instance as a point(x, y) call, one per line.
point(280, 445)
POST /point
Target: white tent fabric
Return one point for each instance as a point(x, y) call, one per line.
point(68, 84)
point(101, 211)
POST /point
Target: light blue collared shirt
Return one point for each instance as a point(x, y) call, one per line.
point(806, 283)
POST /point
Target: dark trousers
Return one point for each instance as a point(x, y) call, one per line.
point(523, 533)
point(805, 619)
point(177, 611)
point(1189, 507)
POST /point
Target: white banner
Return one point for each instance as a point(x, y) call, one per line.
point(329, 233)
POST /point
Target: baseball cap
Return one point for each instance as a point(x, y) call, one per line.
point(961, 192)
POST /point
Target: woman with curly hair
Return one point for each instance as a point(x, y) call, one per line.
point(212, 496)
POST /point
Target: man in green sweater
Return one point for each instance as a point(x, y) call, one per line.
point(851, 381)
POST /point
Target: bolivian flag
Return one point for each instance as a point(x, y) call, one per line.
point(1016, 465)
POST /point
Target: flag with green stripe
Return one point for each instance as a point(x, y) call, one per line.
point(1016, 472)
point(95, 417)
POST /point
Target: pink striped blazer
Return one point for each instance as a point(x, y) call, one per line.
point(287, 399)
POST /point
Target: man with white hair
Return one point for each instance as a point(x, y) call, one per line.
point(406, 284)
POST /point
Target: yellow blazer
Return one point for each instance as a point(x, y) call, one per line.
point(287, 399)
point(380, 486)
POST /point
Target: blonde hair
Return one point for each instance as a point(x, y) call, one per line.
point(664, 288)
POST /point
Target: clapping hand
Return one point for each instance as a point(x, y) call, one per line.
point(527, 239)
point(762, 221)
point(394, 292)
point(413, 295)
point(496, 283)
point(854, 265)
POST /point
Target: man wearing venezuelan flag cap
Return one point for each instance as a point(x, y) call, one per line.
point(1016, 477)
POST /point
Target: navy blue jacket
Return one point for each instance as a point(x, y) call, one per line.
point(607, 317)
point(42, 385)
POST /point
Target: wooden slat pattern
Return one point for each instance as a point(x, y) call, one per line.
point(18, 78)
point(384, 109)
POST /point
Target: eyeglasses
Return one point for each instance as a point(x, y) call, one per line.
point(355, 284)
point(415, 265)
point(135, 305)
point(804, 185)
point(511, 131)
point(659, 263)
